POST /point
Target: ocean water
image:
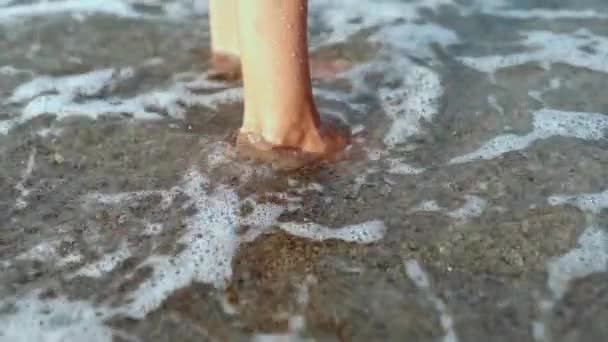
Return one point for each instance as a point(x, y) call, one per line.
point(471, 206)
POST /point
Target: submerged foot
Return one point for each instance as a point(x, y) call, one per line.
point(295, 148)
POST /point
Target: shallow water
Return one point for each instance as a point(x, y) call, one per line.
point(471, 208)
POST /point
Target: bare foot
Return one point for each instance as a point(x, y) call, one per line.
point(298, 148)
point(225, 67)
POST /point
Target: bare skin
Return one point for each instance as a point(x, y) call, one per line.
point(224, 38)
point(280, 111)
point(225, 60)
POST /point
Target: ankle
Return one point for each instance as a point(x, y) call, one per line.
point(281, 130)
point(226, 65)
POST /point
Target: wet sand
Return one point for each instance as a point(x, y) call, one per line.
point(472, 209)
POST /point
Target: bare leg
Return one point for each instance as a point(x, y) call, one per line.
point(279, 105)
point(225, 45)
point(224, 38)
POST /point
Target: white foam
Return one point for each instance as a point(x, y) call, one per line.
point(429, 206)
point(591, 254)
point(47, 251)
point(6, 126)
point(549, 47)
point(547, 123)
point(473, 207)
point(67, 91)
point(9, 70)
point(398, 167)
point(71, 258)
point(347, 17)
point(539, 331)
point(44, 251)
point(53, 320)
point(364, 233)
point(417, 97)
point(375, 154)
point(289, 337)
point(589, 257)
point(416, 100)
point(419, 277)
point(49, 131)
point(210, 242)
point(540, 13)
point(503, 9)
point(312, 186)
point(211, 238)
point(593, 203)
point(87, 84)
point(152, 229)
point(21, 203)
point(105, 264)
point(46, 8)
point(494, 104)
point(261, 219)
point(120, 8)
point(415, 39)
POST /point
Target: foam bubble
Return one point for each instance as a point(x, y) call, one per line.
point(419, 277)
point(429, 206)
point(365, 233)
point(87, 84)
point(347, 17)
point(589, 257)
point(210, 242)
point(9, 70)
point(415, 39)
point(47, 251)
point(105, 264)
point(593, 203)
point(260, 219)
point(591, 254)
point(152, 229)
point(417, 97)
point(473, 207)
point(120, 8)
point(547, 123)
point(539, 331)
point(49, 131)
point(67, 92)
point(494, 104)
point(52, 320)
point(398, 167)
point(21, 203)
point(550, 47)
point(45, 8)
point(44, 251)
point(211, 238)
point(416, 100)
point(501, 9)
